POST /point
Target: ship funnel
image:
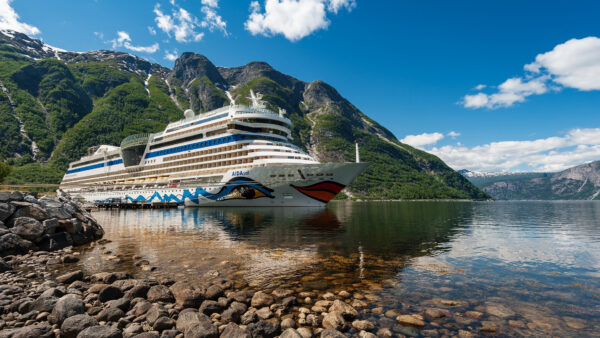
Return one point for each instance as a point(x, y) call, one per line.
point(357, 154)
point(188, 114)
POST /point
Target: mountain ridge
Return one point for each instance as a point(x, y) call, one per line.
point(581, 182)
point(51, 91)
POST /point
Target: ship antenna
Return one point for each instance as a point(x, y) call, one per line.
point(230, 97)
point(357, 154)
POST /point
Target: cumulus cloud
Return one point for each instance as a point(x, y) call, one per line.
point(184, 26)
point(124, 40)
point(9, 19)
point(548, 154)
point(422, 139)
point(453, 134)
point(573, 64)
point(151, 30)
point(294, 19)
point(171, 56)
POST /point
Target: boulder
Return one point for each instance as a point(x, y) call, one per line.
point(202, 329)
point(16, 196)
point(363, 325)
point(4, 196)
point(241, 296)
point(155, 312)
point(234, 312)
point(261, 299)
point(209, 307)
point(109, 293)
point(331, 333)
point(264, 328)
point(214, 292)
point(138, 291)
point(31, 211)
point(71, 326)
point(44, 303)
point(50, 225)
point(160, 293)
point(334, 320)
point(100, 331)
point(111, 314)
point(122, 303)
point(67, 306)
point(234, 331)
point(186, 295)
point(6, 210)
point(163, 323)
point(347, 311)
point(27, 228)
point(70, 277)
point(186, 319)
point(39, 330)
point(290, 333)
point(11, 244)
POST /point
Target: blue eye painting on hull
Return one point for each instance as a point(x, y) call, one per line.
point(236, 188)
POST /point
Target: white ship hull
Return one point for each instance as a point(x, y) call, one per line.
point(294, 185)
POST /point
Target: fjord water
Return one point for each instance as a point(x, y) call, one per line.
point(528, 267)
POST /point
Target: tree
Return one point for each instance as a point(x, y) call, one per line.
point(5, 169)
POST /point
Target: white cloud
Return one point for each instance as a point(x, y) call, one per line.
point(99, 35)
point(9, 19)
point(210, 3)
point(151, 30)
point(573, 64)
point(480, 87)
point(422, 139)
point(549, 154)
point(124, 40)
point(453, 134)
point(171, 56)
point(294, 19)
point(184, 26)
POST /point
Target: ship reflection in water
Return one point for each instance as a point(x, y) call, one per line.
point(539, 260)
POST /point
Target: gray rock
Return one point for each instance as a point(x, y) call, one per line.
point(109, 293)
point(111, 314)
point(4, 196)
point(3, 266)
point(202, 329)
point(209, 307)
point(264, 328)
point(241, 296)
point(132, 330)
point(70, 277)
point(186, 319)
point(334, 320)
point(53, 292)
point(331, 333)
point(71, 326)
point(67, 306)
point(234, 331)
point(34, 331)
point(149, 334)
point(160, 293)
point(169, 334)
point(249, 317)
point(121, 303)
point(213, 292)
point(155, 312)
point(16, 196)
point(234, 312)
point(11, 244)
point(44, 303)
point(261, 299)
point(30, 199)
point(100, 331)
point(6, 210)
point(32, 211)
point(347, 311)
point(187, 295)
point(27, 228)
point(137, 291)
point(290, 333)
point(50, 225)
point(163, 323)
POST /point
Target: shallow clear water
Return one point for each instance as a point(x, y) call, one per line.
point(530, 267)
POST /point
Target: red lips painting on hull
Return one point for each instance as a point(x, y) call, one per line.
point(322, 191)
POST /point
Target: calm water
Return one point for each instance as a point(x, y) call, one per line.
point(530, 267)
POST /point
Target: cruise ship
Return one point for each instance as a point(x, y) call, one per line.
point(238, 155)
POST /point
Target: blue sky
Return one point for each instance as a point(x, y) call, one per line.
point(411, 65)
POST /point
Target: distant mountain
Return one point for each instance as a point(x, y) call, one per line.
point(54, 104)
point(578, 183)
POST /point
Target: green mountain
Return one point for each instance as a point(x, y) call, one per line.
point(55, 104)
point(578, 183)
